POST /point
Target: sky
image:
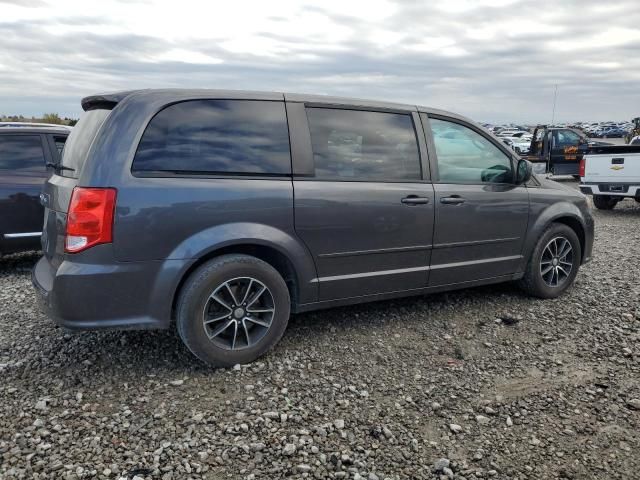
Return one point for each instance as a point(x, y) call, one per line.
point(492, 60)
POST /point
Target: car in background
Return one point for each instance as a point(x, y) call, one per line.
point(28, 154)
point(521, 145)
point(610, 132)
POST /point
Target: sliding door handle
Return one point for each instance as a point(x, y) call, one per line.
point(452, 200)
point(414, 200)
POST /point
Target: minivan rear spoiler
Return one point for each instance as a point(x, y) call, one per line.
point(105, 100)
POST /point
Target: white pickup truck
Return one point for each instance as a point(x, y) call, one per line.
point(611, 174)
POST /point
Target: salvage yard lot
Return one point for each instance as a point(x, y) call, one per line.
point(499, 384)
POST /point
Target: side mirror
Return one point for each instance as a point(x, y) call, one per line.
point(523, 171)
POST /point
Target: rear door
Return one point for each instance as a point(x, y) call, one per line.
point(480, 214)
point(363, 202)
point(22, 175)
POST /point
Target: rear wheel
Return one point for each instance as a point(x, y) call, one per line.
point(232, 309)
point(554, 263)
point(604, 202)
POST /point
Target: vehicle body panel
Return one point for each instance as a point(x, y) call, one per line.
point(480, 238)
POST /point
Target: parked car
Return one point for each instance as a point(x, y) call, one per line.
point(179, 205)
point(25, 152)
point(611, 174)
point(520, 144)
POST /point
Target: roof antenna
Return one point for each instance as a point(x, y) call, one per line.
point(555, 96)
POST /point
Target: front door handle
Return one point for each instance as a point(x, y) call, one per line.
point(415, 200)
point(452, 200)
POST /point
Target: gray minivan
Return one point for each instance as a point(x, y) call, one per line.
point(225, 211)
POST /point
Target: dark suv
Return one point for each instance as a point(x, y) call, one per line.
point(225, 211)
point(25, 152)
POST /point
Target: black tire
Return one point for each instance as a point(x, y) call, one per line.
point(533, 282)
point(196, 295)
point(604, 202)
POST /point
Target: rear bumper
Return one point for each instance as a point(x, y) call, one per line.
point(613, 189)
point(136, 295)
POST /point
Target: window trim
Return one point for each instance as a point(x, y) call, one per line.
point(433, 157)
point(309, 164)
point(209, 174)
point(53, 150)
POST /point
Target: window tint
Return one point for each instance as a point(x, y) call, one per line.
point(21, 153)
point(358, 145)
point(80, 139)
point(567, 138)
point(217, 136)
point(465, 156)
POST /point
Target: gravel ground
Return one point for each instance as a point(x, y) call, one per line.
point(481, 383)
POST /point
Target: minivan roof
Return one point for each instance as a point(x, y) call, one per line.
point(109, 100)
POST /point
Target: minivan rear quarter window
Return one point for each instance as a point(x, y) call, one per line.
point(76, 148)
point(363, 146)
point(243, 137)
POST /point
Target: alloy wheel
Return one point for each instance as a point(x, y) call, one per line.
point(238, 314)
point(556, 262)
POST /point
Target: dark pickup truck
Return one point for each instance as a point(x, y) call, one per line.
point(28, 155)
point(557, 150)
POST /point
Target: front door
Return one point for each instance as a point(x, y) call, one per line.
point(565, 152)
point(365, 212)
point(481, 215)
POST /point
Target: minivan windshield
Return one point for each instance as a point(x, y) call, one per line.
point(80, 139)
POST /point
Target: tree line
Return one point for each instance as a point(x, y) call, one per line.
point(46, 118)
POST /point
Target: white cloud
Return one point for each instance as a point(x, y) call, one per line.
point(490, 59)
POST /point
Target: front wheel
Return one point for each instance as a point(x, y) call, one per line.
point(604, 202)
point(554, 263)
point(232, 309)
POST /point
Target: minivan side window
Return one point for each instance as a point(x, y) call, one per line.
point(241, 137)
point(465, 156)
point(363, 146)
point(22, 154)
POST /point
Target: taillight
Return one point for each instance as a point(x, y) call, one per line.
point(90, 218)
point(582, 167)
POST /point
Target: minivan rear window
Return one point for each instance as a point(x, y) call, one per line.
point(243, 137)
point(80, 139)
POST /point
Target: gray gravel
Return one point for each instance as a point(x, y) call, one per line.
point(482, 383)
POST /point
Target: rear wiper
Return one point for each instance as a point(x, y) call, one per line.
point(57, 167)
